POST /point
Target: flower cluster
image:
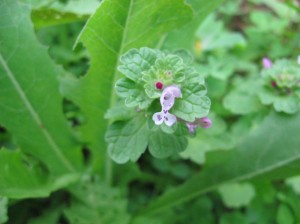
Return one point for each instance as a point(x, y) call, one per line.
point(152, 74)
point(281, 85)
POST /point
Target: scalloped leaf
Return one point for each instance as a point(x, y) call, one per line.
point(127, 139)
point(193, 104)
point(163, 145)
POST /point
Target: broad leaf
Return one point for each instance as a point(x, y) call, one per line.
point(116, 27)
point(274, 153)
point(30, 104)
point(185, 36)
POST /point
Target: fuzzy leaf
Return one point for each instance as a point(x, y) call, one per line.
point(30, 103)
point(193, 104)
point(127, 139)
point(137, 61)
point(133, 93)
point(114, 28)
point(162, 145)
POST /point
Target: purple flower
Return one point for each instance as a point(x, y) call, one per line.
point(267, 63)
point(164, 116)
point(167, 98)
point(192, 127)
point(205, 122)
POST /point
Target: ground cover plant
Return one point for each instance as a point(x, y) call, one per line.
point(135, 111)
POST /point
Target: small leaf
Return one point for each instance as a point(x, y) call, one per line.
point(137, 61)
point(284, 215)
point(133, 93)
point(3, 210)
point(237, 195)
point(193, 104)
point(162, 145)
point(127, 139)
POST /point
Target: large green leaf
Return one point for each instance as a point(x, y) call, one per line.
point(116, 27)
point(271, 150)
point(30, 104)
point(185, 36)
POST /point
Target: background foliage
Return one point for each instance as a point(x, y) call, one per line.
point(56, 103)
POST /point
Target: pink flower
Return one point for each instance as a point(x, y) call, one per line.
point(167, 100)
point(164, 116)
point(267, 63)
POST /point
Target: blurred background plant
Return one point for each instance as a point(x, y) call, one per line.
point(228, 46)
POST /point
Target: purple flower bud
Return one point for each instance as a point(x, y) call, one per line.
point(267, 63)
point(205, 122)
point(192, 127)
point(274, 84)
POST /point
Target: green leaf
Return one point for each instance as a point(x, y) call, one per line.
point(236, 195)
point(127, 139)
point(273, 150)
point(185, 36)
point(284, 215)
point(94, 202)
point(193, 104)
point(134, 93)
point(3, 210)
point(22, 177)
point(242, 99)
point(30, 103)
point(162, 145)
point(116, 27)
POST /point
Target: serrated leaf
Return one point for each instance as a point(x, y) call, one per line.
point(273, 150)
point(116, 27)
point(127, 139)
point(162, 145)
point(193, 104)
point(30, 103)
point(137, 61)
point(133, 93)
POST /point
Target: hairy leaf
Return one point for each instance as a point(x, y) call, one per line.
point(194, 104)
point(127, 139)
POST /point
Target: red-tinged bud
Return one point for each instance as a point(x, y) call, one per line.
point(274, 84)
point(159, 85)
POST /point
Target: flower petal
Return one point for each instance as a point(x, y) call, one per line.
point(158, 118)
point(170, 119)
point(167, 100)
point(267, 63)
point(175, 90)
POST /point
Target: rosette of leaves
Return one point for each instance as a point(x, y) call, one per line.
point(147, 72)
point(281, 86)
